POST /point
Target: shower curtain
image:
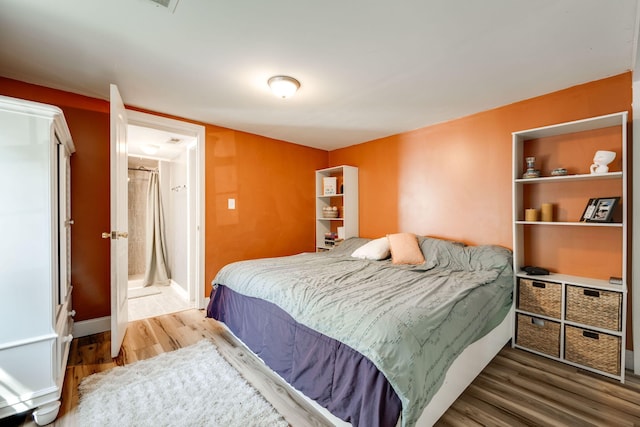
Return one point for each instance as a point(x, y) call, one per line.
point(156, 268)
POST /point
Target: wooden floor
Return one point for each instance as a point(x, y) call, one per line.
point(516, 389)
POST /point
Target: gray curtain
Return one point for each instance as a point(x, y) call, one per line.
point(156, 268)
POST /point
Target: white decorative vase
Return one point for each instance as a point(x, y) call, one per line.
point(600, 161)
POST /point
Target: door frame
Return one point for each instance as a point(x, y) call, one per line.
point(635, 237)
point(138, 118)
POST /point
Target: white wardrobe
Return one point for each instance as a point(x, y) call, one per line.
point(35, 263)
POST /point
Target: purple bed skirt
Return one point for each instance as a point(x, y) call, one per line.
point(328, 371)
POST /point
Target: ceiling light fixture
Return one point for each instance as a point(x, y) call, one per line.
point(283, 86)
point(150, 149)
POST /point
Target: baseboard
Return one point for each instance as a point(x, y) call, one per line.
point(91, 326)
point(84, 328)
point(628, 360)
point(180, 290)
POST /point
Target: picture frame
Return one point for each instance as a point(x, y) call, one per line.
point(589, 209)
point(603, 209)
point(329, 186)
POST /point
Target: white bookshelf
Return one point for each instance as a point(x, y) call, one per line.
point(345, 199)
point(590, 289)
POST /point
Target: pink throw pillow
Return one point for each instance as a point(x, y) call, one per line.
point(405, 249)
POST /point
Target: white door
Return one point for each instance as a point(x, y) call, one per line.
point(119, 222)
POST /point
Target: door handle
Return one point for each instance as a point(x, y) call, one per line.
point(115, 235)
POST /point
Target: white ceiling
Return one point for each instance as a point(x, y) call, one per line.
point(169, 145)
point(368, 68)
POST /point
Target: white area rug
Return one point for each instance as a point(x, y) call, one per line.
point(192, 386)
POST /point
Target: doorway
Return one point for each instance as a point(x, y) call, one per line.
point(173, 151)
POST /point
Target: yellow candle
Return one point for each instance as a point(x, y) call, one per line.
point(531, 214)
point(547, 212)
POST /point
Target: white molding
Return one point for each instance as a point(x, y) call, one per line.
point(162, 123)
point(180, 290)
point(635, 47)
point(91, 326)
point(635, 238)
point(31, 340)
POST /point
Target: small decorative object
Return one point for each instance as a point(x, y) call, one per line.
point(330, 212)
point(546, 210)
point(531, 214)
point(531, 172)
point(603, 210)
point(535, 271)
point(559, 172)
point(329, 185)
point(600, 161)
point(614, 280)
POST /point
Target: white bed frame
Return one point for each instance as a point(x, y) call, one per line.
point(461, 373)
point(466, 368)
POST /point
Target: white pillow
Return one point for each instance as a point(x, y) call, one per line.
point(376, 250)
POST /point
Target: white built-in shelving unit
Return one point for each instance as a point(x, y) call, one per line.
point(557, 314)
point(345, 200)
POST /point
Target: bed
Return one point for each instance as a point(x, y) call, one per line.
point(373, 342)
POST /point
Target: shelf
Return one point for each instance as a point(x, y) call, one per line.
point(594, 328)
point(538, 315)
point(565, 178)
point(330, 219)
point(609, 120)
point(575, 281)
point(330, 195)
point(570, 323)
point(572, 224)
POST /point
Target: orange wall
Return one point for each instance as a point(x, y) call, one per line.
point(453, 179)
point(272, 182)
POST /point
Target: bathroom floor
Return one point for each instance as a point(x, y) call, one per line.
point(153, 300)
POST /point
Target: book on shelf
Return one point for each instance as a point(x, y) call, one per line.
point(332, 239)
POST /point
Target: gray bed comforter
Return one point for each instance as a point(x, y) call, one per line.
point(410, 321)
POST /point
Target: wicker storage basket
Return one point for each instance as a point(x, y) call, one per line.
point(538, 334)
point(594, 349)
point(594, 307)
point(540, 297)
